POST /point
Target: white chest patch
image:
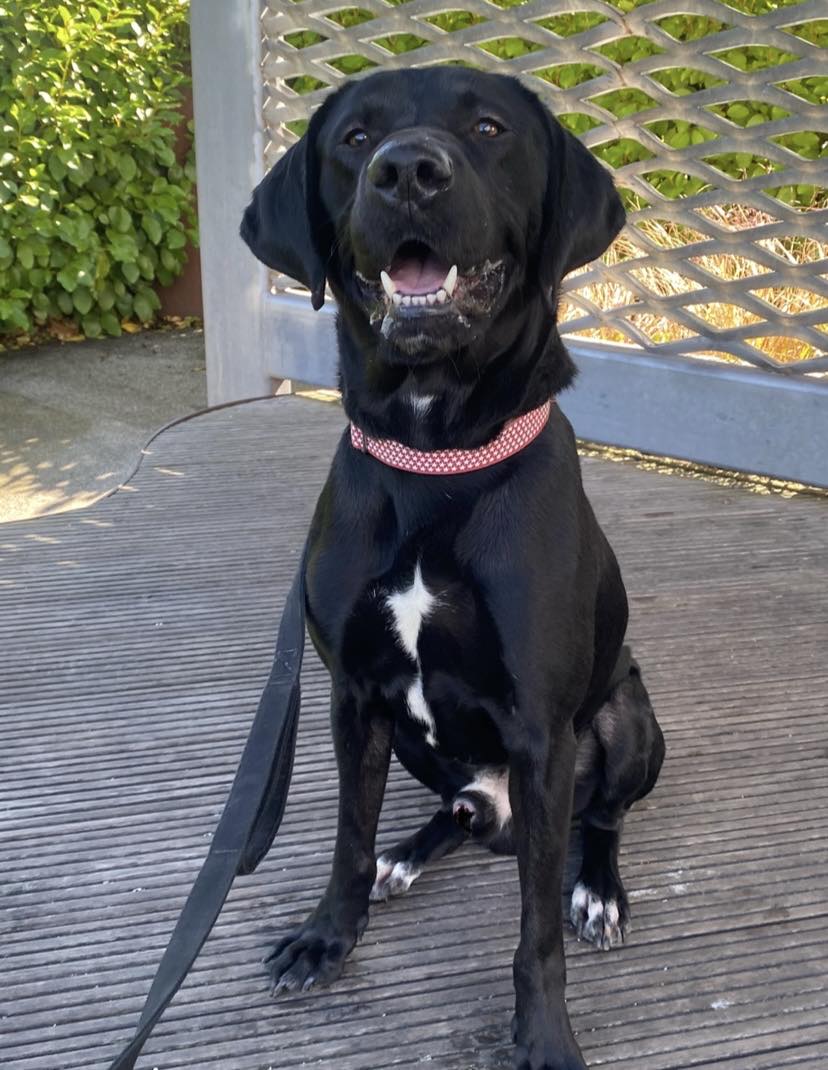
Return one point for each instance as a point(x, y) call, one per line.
point(409, 609)
point(418, 708)
point(421, 403)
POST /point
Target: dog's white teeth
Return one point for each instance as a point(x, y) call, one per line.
point(388, 284)
point(436, 297)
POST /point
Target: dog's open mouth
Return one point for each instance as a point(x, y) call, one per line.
point(416, 276)
point(418, 281)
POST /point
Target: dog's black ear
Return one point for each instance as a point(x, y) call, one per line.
point(282, 223)
point(596, 213)
point(583, 212)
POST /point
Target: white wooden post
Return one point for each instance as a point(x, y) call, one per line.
point(227, 99)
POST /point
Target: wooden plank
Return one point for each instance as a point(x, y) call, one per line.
point(136, 636)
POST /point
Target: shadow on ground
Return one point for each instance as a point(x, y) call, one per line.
point(73, 418)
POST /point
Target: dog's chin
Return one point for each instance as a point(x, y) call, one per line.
point(424, 334)
point(422, 329)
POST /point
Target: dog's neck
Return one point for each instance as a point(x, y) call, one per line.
point(453, 401)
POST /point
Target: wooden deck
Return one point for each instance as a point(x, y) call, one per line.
point(135, 638)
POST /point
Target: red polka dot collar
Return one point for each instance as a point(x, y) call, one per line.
point(514, 436)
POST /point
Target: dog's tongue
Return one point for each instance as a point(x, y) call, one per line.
point(417, 274)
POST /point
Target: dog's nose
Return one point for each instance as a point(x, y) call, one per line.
point(410, 169)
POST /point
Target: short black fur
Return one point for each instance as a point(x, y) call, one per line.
point(510, 695)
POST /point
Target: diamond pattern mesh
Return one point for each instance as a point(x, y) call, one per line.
point(713, 118)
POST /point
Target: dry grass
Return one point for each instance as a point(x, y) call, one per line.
point(652, 282)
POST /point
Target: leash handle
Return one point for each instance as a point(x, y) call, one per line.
point(249, 822)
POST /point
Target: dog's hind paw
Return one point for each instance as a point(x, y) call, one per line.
point(602, 921)
point(393, 878)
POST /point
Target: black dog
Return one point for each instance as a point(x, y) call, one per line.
point(471, 621)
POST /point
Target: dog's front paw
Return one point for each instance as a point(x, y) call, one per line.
point(312, 955)
point(394, 877)
point(548, 1055)
point(603, 920)
point(545, 1047)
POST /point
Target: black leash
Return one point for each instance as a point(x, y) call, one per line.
point(250, 820)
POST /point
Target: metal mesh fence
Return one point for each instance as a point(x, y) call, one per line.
point(712, 116)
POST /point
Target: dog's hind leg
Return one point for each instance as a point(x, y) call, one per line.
point(599, 910)
point(629, 756)
point(398, 868)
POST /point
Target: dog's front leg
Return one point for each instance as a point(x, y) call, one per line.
point(316, 952)
point(540, 789)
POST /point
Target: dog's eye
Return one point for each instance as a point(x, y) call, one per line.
point(356, 138)
point(488, 127)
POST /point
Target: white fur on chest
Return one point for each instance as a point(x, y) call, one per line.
point(421, 403)
point(409, 608)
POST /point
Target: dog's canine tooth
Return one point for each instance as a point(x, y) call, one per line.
point(441, 296)
point(388, 283)
point(450, 280)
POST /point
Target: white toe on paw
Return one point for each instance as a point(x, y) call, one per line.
point(393, 878)
point(595, 919)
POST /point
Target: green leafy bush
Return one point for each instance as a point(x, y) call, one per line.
point(94, 208)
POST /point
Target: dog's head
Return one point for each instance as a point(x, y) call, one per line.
point(440, 205)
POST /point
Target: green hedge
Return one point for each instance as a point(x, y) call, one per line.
point(620, 103)
point(94, 208)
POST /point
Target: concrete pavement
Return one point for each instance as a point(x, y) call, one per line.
point(73, 417)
